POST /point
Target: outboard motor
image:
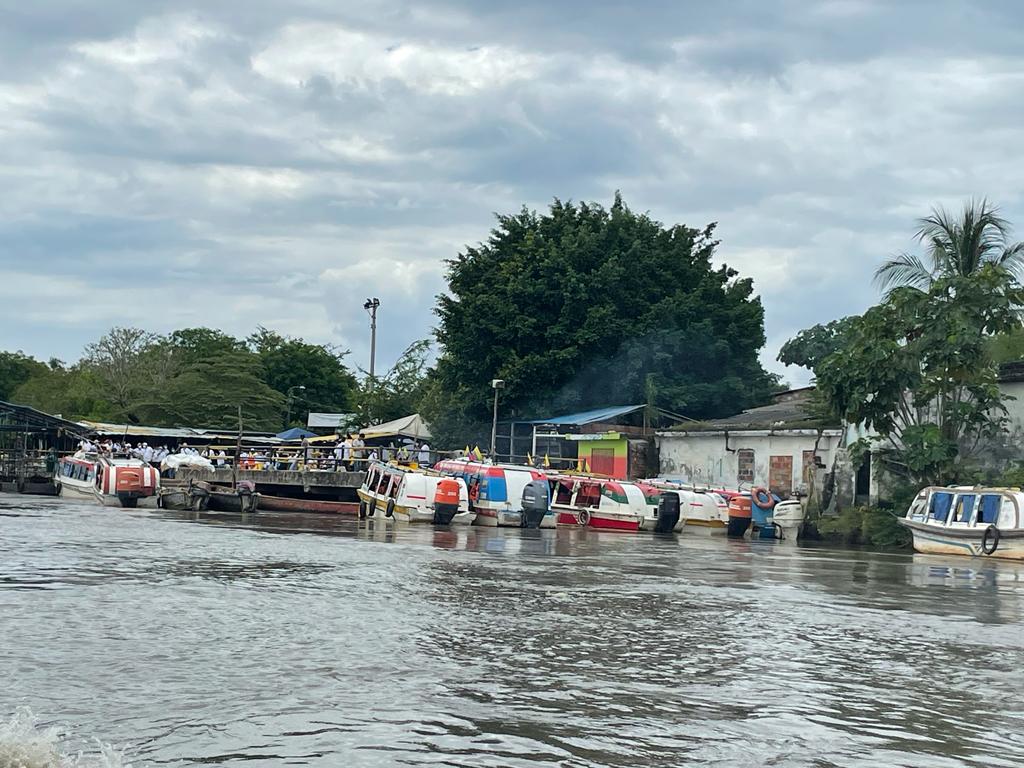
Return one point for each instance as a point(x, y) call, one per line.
point(446, 501)
point(739, 516)
point(668, 512)
point(536, 503)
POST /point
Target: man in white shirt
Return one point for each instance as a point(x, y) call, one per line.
point(423, 458)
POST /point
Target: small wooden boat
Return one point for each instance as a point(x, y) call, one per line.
point(967, 521)
point(322, 506)
point(241, 500)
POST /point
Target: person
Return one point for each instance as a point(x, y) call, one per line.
point(403, 454)
point(346, 452)
point(221, 456)
point(339, 454)
point(147, 453)
point(423, 456)
point(358, 452)
point(373, 455)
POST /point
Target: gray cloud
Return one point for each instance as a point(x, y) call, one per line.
point(169, 164)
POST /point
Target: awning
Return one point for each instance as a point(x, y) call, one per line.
point(295, 433)
point(408, 426)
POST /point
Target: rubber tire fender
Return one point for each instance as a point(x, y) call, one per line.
point(996, 535)
point(371, 511)
point(390, 510)
point(583, 517)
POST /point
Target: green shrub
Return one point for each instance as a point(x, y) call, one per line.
point(866, 526)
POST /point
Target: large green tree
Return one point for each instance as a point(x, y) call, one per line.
point(812, 345)
point(584, 306)
point(918, 370)
point(15, 369)
point(398, 392)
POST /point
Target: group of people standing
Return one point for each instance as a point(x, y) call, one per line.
point(353, 453)
point(152, 454)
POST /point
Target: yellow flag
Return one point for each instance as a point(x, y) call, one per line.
point(586, 466)
point(529, 459)
point(466, 452)
point(547, 461)
point(478, 453)
point(579, 465)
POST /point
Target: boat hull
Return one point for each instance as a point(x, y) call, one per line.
point(936, 540)
point(227, 501)
point(601, 521)
point(284, 504)
point(68, 491)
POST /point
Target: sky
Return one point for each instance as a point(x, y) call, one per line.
point(233, 164)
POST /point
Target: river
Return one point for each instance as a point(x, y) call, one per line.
point(310, 641)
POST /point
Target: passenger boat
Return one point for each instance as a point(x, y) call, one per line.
point(106, 480)
point(595, 502)
point(322, 506)
point(407, 495)
point(496, 491)
point(701, 511)
point(961, 520)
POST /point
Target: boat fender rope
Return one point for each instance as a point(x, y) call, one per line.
point(995, 535)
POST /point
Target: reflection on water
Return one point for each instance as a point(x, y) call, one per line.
point(311, 640)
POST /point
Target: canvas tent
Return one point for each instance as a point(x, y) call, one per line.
point(408, 426)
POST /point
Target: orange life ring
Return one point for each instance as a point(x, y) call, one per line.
point(762, 497)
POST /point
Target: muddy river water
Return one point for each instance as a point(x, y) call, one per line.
point(311, 641)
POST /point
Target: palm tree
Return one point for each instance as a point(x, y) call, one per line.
point(955, 247)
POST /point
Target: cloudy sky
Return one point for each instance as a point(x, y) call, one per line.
point(172, 164)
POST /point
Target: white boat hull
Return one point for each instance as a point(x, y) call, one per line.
point(933, 540)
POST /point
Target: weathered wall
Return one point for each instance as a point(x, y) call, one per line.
point(701, 457)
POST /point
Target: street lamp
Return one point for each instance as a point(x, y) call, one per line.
point(496, 384)
point(371, 306)
point(288, 415)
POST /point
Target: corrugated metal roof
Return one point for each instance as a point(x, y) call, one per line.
point(591, 417)
point(178, 433)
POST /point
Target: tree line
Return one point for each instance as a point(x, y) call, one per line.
point(200, 376)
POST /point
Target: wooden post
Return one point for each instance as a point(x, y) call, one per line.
point(238, 450)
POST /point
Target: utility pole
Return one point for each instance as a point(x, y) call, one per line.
point(288, 412)
point(496, 384)
point(371, 306)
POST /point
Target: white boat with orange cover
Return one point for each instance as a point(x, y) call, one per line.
point(106, 480)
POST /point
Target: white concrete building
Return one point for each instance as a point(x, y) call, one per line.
point(780, 446)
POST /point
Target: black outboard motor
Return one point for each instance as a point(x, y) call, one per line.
point(535, 503)
point(668, 512)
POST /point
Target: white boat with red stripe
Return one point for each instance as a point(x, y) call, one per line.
point(107, 480)
point(594, 502)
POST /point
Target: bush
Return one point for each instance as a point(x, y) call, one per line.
point(866, 526)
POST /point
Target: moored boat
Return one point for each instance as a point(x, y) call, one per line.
point(700, 510)
point(106, 480)
point(241, 499)
point(321, 506)
point(961, 520)
point(407, 495)
point(594, 502)
point(496, 491)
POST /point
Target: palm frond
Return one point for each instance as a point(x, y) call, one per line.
point(904, 270)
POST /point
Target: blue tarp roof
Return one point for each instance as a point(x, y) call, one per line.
point(295, 433)
point(590, 417)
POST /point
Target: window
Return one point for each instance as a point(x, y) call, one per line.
point(745, 465)
point(938, 508)
point(563, 492)
point(588, 495)
point(989, 512)
point(964, 509)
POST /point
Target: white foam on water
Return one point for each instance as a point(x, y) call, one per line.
point(25, 744)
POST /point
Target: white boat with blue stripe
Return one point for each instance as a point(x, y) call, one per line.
point(967, 520)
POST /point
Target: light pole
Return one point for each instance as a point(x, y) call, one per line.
point(371, 306)
point(496, 384)
point(288, 414)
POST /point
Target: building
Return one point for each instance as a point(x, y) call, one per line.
point(782, 446)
